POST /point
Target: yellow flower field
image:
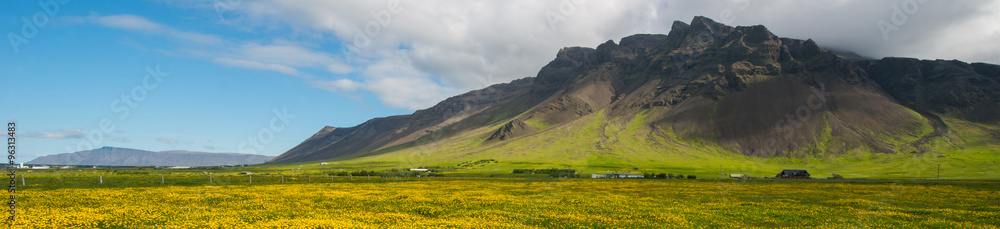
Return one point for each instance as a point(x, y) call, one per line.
point(573, 203)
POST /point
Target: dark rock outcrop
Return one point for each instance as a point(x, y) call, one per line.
point(740, 88)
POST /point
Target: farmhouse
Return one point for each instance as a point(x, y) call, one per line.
point(418, 170)
point(738, 176)
point(793, 174)
point(615, 175)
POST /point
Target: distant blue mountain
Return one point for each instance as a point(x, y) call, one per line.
point(112, 156)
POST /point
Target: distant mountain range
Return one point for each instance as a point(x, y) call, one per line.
point(112, 156)
point(702, 96)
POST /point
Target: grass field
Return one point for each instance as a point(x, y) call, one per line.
point(966, 152)
point(140, 202)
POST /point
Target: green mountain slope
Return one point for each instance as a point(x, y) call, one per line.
point(705, 99)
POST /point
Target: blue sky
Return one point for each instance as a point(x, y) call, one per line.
point(226, 66)
point(62, 83)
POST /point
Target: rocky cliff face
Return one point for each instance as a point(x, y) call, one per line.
point(740, 88)
point(946, 87)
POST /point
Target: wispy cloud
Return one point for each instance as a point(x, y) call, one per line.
point(280, 56)
point(168, 141)
point(58, 134)
point(126, 21)
point(249, 64)
point(340, 85)
point(283, 57)
point(141, 24)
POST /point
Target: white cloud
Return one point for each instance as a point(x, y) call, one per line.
point(395, 82)
point(934, 30)
point(282, 57)
point(337, 85)
point(125, 21)
point(440, 48)
point(449, 47)
point(58, 134)
point(249, 64)
point(134, 22)
point(168, 141)
point(399, 84)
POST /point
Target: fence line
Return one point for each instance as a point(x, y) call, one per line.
point(148, 180)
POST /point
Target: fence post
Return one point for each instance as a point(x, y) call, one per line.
point(22, 179)
point(282, 178)
point(309, 178)
point(251, 178)
point(331, 178)
point(161, 178)
point(351, 175)
point(209, 178)
point(101, 179)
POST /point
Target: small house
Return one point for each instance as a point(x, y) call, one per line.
point(418, 170)
point(323, 163)
point(246, 173)
point(738, 176)
point(793, 174)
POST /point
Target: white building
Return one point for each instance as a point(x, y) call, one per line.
point(418, 170)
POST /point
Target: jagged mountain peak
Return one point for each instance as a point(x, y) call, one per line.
point(703, 82)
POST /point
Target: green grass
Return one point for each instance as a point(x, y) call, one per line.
point(597, 144)
point(524, 202)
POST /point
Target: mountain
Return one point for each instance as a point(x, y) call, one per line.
point(111, 156)
point(703, 95)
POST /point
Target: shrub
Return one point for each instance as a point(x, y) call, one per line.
point(670, 176)
point(679, 176)
point(692, 177)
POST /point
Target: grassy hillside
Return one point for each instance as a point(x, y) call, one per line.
point(598, 144)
